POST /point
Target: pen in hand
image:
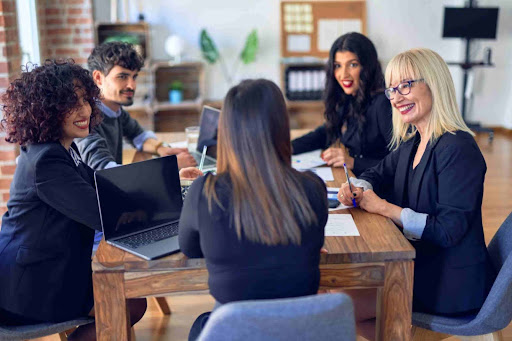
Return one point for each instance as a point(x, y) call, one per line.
point(349, 185)
point(203, 155)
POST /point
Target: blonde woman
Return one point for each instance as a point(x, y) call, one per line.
point(437, 172)
point(258, 223)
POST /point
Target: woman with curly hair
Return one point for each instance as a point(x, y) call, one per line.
point(47, 233)
point(357, 113)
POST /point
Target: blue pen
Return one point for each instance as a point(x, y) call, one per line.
point(349, 185)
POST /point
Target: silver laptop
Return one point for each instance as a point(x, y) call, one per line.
point(208, 126)
point(140, 205)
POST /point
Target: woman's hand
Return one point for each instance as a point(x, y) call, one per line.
point(189, 173)
point(345, 196)
point(336, 157)
point(372, 203)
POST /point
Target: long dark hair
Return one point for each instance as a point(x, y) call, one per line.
point(254, 150)
point(371, 81)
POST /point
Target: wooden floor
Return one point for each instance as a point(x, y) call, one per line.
point(496, 206)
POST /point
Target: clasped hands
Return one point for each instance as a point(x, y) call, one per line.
point(367, 200)
point(185, 159)
point(336, 157)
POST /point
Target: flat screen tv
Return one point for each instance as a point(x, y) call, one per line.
point(470, 22)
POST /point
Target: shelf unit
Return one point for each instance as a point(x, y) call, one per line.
point(152, 107)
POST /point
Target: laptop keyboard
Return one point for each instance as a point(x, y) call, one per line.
point(149, 237)
point(207, 162)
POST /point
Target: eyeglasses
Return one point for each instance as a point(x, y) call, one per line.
point(403, 88)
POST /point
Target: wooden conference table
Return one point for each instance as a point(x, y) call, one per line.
point(381, 257)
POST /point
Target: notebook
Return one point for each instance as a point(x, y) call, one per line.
point(208, 126)
point(140, 205)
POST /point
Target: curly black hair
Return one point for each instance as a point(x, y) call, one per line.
point(371, 82)
point(36, 104)
point(107, 55)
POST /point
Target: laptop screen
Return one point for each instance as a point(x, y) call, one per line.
point(138, 196)
point(208, 131)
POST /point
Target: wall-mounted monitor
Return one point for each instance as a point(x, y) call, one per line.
point(470, 22)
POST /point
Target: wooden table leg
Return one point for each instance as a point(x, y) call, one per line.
point(394, 302)
point(163, 306)
point(112, 316)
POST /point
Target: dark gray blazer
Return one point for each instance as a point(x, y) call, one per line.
point(367, 148)
point(47, 235)
point(452, 271)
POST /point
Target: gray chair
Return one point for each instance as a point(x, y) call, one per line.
point(495, 314)
point(317, 317)
point(39, 330)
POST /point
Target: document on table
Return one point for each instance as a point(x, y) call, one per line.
point(340, 225)
point(307, 160)
point(325, 173)
point(179, 144)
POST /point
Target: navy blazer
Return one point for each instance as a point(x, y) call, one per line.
point(367, 148)
point(47, 235)
point(452, 270)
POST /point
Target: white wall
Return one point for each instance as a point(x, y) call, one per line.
point(393, 25)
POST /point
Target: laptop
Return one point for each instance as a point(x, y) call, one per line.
point(208, 125)
point(140, 206)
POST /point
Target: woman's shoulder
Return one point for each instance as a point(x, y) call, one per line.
point(456, 140)
point(379, 100)
point(457, 146)
point(47, 149)
point(311, 182)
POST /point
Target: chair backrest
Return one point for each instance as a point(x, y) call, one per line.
point(496, 312)
point(38, 330)
point(317, 317)
point(501, 244)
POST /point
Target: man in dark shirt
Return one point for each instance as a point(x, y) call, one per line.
point(115, 67)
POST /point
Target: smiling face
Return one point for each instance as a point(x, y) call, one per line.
point(414, 108)
point(347, 70)
point(118, 87)
point(76, 122)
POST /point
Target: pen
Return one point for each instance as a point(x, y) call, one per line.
point(349, 185)
point(203, 155)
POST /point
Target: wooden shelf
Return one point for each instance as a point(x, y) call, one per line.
point(185, 105)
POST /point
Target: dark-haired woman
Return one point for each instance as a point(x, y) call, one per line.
point(258, 223)
point(357, 113)
point(47, 232)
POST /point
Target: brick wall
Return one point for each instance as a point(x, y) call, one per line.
point(66, 29)
point(10, 61)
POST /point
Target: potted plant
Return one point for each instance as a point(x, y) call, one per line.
point(212, 54)
point(176, 92)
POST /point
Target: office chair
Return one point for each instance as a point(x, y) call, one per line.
point(496, 312)
point(317, 317)
point(42, 329)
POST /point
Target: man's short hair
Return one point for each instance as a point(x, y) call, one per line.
point(107, 55)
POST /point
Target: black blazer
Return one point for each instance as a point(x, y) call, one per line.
point(452, 271)
point(367, 148)
point(47, 235)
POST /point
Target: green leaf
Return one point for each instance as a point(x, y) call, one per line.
point(208, 47)
point(248, 54)
point(125, 38)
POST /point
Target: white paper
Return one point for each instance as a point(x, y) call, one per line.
point(325, 173)
point(298, 43)
point(179, 144)
point(340, 225)
point(306, 161)
point(330, 29)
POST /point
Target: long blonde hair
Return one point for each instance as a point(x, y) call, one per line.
point(254, 150)
point(426, 64)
